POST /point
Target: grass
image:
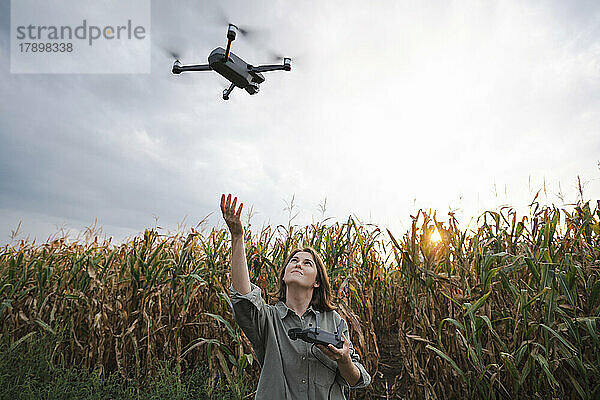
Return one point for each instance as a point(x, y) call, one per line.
point(28, 372)
point(508, 308)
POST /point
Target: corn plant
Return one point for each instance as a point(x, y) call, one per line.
point(508, 308)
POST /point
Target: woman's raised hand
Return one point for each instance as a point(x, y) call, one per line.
point(231, 217)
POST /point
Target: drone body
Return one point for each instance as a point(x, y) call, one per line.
point(233, 68)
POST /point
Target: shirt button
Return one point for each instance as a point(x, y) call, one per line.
point(303, 380)
point(303, 357)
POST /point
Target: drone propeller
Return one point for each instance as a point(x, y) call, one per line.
point(251, 35)
point(277, 57)
point(241, 30)
point(172, 53)
point(248, 33)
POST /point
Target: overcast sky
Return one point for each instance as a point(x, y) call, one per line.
point(391, 106)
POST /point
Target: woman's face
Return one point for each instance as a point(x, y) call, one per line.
point(301, 270)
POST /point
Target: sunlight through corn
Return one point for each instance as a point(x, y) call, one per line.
point(435, 236)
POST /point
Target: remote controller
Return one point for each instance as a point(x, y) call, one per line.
point(319, 336)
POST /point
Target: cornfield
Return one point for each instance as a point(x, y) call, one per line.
point(508, 309)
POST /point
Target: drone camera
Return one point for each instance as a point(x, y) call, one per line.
point(252, 88)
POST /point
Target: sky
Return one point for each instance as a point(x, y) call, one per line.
point(390, 107)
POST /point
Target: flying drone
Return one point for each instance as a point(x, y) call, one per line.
point(233, 68)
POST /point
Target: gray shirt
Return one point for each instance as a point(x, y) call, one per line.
point(289, 368)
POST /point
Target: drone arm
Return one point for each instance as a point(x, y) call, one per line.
point(231, 34)
point(178, 68)
point(267, 68)
point(228, 50)
point(196, 67)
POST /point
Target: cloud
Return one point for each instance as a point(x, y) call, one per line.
point(390, 107)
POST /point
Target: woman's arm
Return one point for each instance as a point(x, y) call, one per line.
point(348, 370)
point(240, 279)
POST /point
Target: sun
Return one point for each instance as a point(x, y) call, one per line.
point(435, 236)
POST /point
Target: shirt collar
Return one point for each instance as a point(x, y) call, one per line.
point(283, 309)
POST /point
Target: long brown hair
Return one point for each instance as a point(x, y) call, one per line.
point(321, 297)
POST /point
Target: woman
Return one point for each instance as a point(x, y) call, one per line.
point(291, 369)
